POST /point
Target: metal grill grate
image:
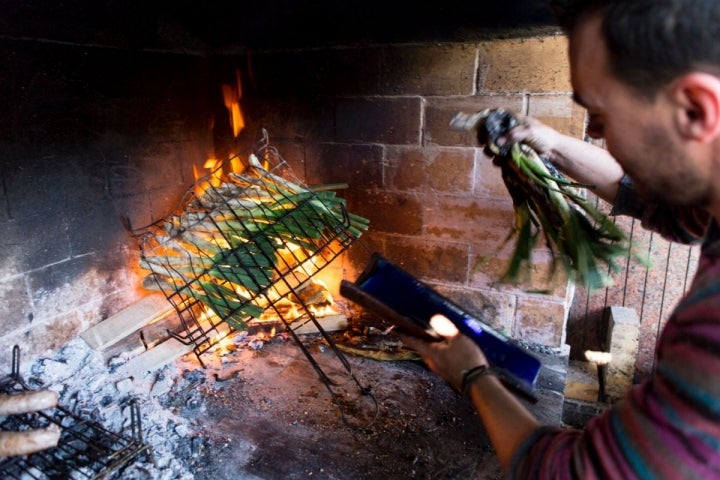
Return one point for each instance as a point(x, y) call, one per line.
point(243, 239)
point(86, 450)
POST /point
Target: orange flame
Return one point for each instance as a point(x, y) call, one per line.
point(324, 310)
point(224, 346)
point(231, 96)
point(232, 93)
point(215, 168)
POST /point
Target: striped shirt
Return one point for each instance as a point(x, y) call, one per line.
point(669, 426)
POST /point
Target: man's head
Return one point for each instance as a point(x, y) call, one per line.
point(647, 72)
point(652, 42)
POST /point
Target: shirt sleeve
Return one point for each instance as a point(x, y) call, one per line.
point(539, 456)
point(668, 427)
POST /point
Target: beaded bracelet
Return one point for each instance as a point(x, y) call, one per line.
point(470, 375)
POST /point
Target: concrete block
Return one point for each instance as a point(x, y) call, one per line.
point(623, 341)
point(533, 64)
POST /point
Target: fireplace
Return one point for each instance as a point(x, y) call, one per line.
point(111, 111)
point(108, 121)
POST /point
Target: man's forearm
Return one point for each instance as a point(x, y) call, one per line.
point(588, 164)
point(506, 420)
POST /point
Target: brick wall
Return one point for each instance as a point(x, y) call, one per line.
point(377, 119)
point(90, 138)
point(93, 136)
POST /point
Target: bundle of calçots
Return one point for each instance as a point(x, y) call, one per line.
point(229, 245)
point(585, 241)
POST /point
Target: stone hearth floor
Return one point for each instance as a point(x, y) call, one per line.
point(265, 414)
point(261, 412)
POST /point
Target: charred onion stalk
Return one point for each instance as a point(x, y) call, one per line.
point(585, 241)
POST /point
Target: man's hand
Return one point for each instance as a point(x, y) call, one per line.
point(535, 134)
point(450, 357)
point(506, 420)
point(584, 162)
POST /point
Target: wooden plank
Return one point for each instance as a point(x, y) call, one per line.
point(155, 358)
point(329, 323)
point(113, 329)
point(144, 338)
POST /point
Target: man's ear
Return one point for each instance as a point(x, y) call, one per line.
point(697, 98)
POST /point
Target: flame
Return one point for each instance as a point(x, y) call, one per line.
point(208, 315)
point(263, 336)
point(298, 262)
point(323, 311)
point(215, 167)
point(224, 346)
point(292, 254)
point(321, 282)
point(200, 187)
point(232, 93)
point(236, 165)
point(213, 181)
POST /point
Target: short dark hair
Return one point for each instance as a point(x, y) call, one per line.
point(652, 42)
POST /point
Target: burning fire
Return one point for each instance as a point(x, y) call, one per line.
point(232, 93)
point(314, 299)
point(313, 296)
point(248, 245)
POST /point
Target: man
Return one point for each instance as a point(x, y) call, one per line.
point(648, 73)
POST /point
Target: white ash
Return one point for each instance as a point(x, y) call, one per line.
point(93, 390)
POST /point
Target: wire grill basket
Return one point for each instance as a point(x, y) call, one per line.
point(243, 238)
point(85, 450)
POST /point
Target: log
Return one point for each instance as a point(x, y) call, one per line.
point(150, 309)
point(329, 323)
point(155, 358)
